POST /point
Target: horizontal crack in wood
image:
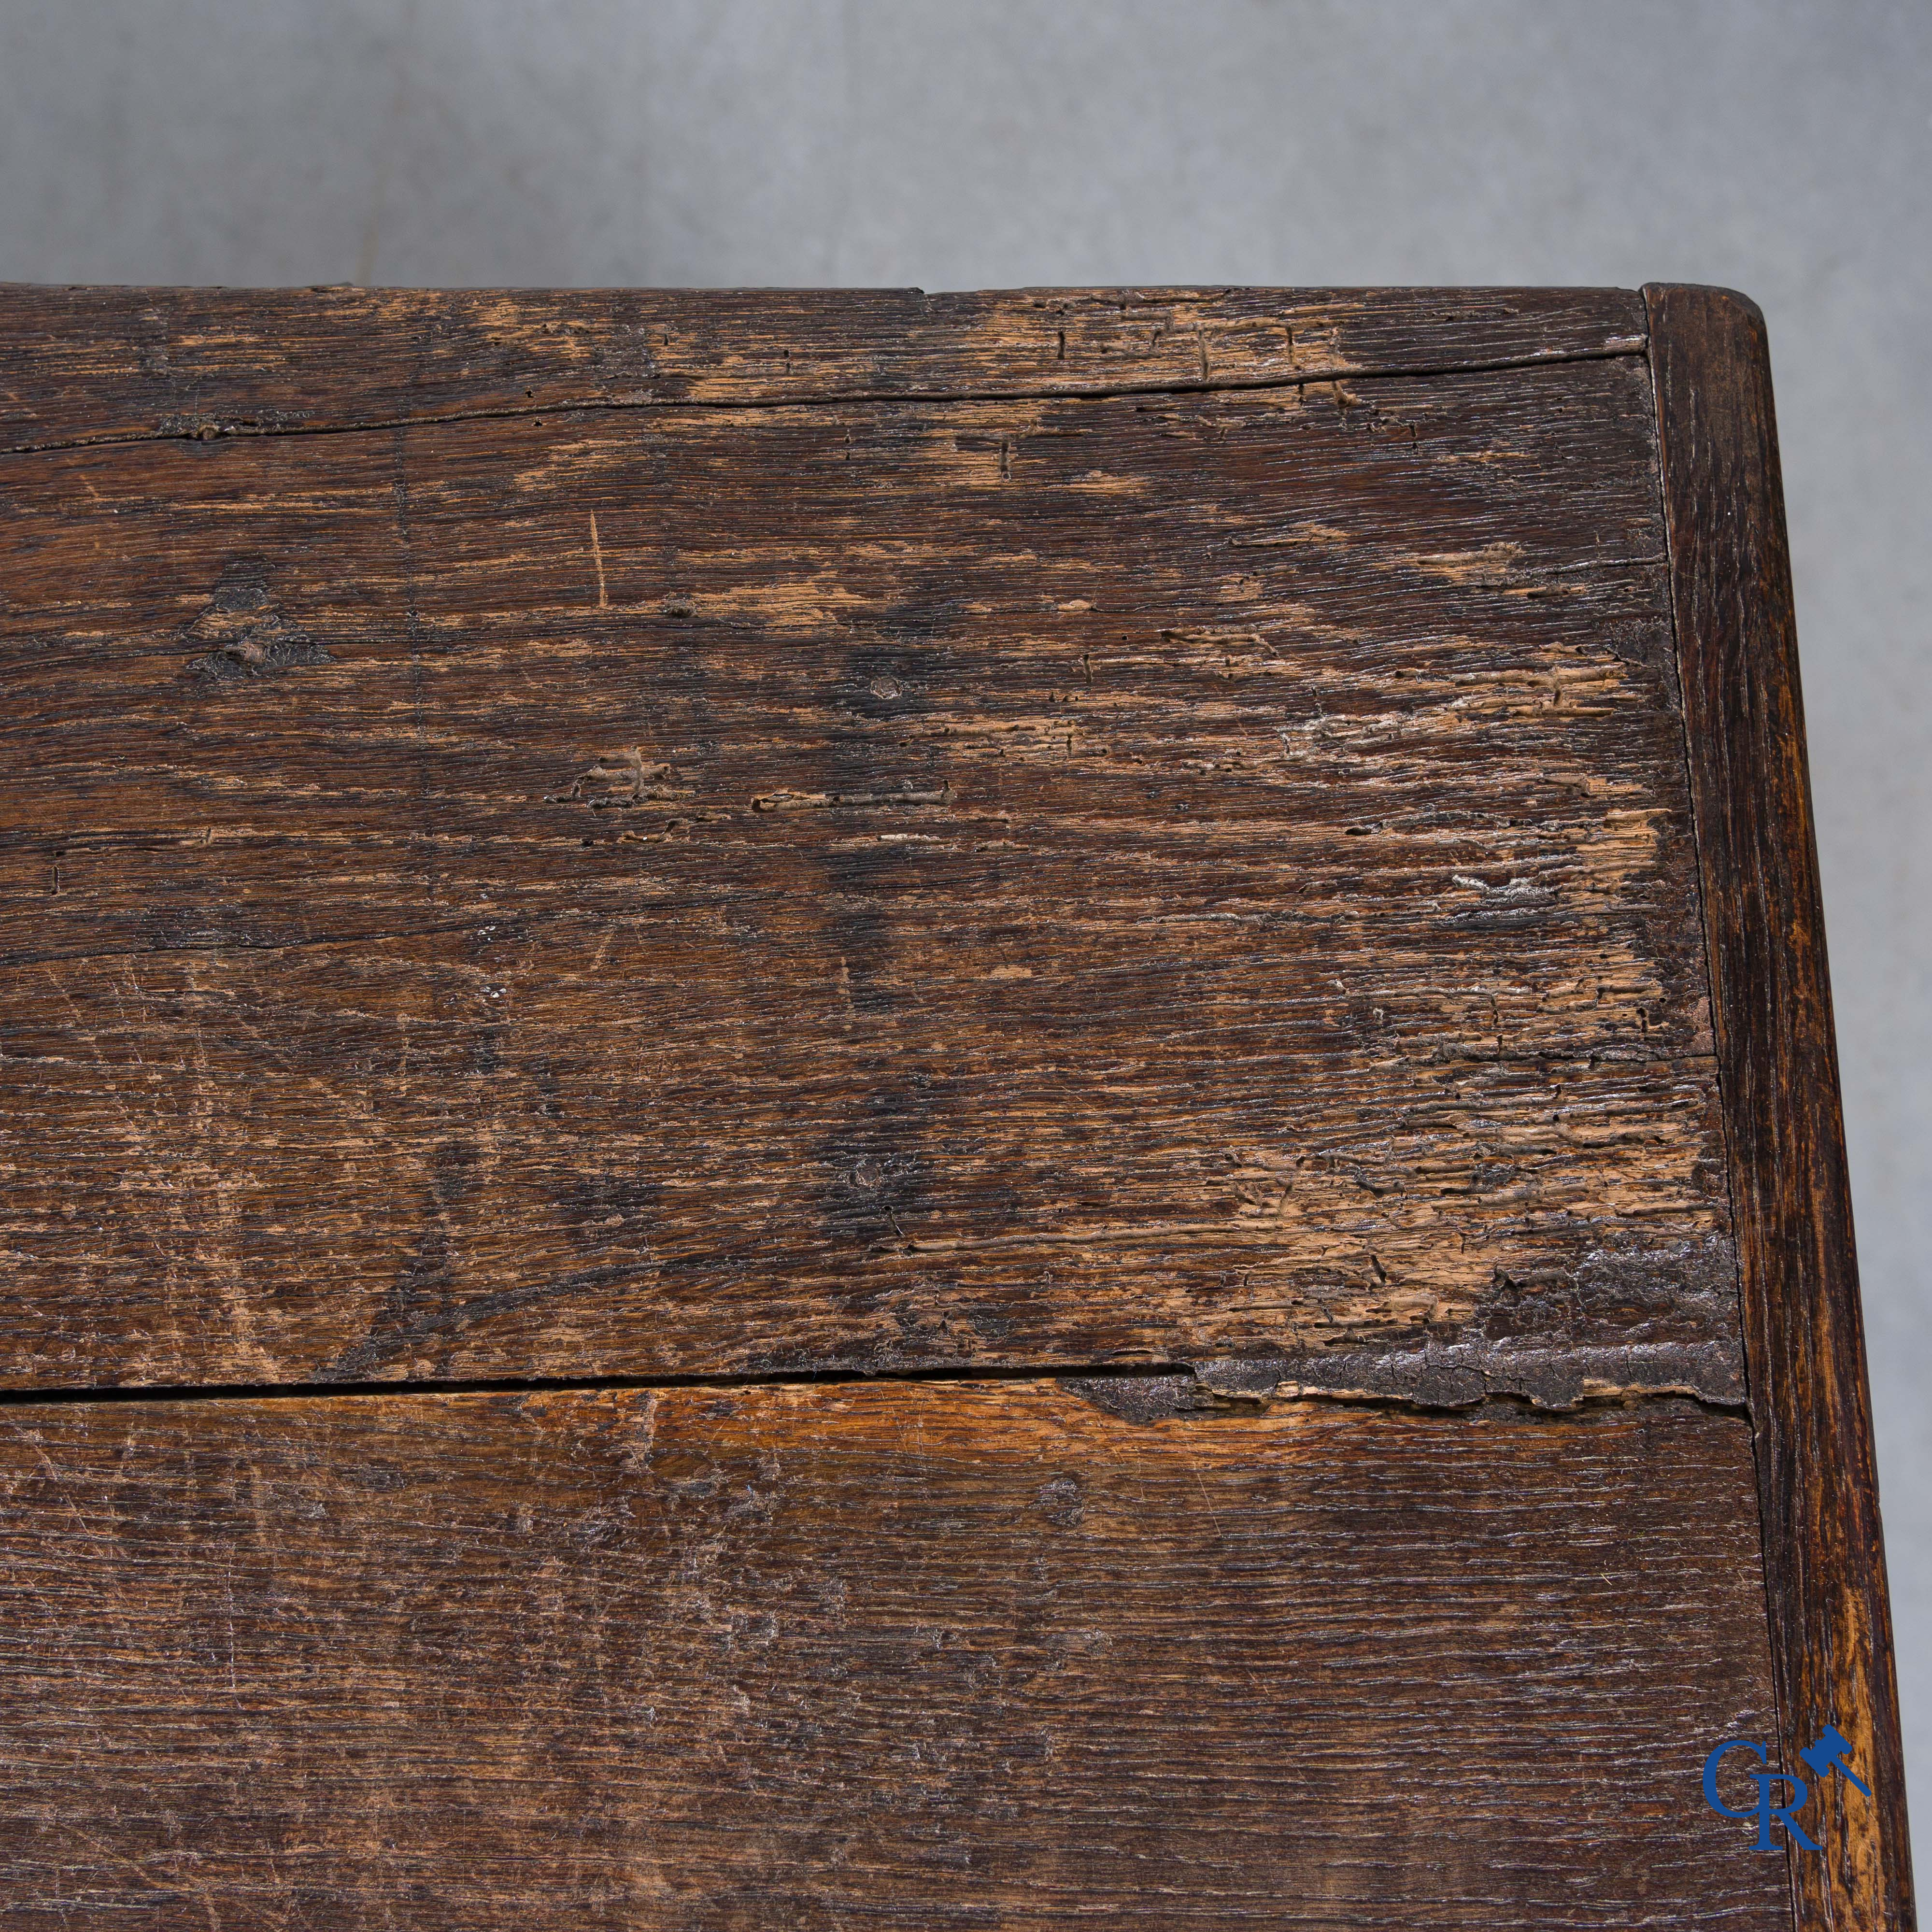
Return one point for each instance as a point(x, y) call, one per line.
point(217, 429)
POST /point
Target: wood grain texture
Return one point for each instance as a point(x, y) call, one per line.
point(1824, 1551)
point(89, 364)
point(824, 1657)
point(1199, 878)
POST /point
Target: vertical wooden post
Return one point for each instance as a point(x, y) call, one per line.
point(1737, 645)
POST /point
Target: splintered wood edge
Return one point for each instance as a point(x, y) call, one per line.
point(1831, 1628)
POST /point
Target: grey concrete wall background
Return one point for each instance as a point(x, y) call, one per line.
point(1783, 149)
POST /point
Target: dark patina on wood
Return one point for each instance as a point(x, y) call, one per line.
point(1737, 642)
point(928, 1656)
point(997, 842)
point(1193, 878)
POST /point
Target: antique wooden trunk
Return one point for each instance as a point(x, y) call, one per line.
point(869, 1111)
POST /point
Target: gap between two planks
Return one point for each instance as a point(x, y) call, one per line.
point(1136, 1384)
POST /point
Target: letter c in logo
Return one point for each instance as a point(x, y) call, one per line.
point(1711, 1764)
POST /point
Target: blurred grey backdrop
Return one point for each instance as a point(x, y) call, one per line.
point(1783, 149)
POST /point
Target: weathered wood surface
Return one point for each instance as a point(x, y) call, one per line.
point(655, 835)
point(1824, 1552)
point(1198, 878)
point(89, 364)
point(823, 1658)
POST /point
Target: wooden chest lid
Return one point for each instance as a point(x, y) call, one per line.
point(1253, 844)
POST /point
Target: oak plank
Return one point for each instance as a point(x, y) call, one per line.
point(949, 1655)
point(80, 364)
point(1198, 878)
